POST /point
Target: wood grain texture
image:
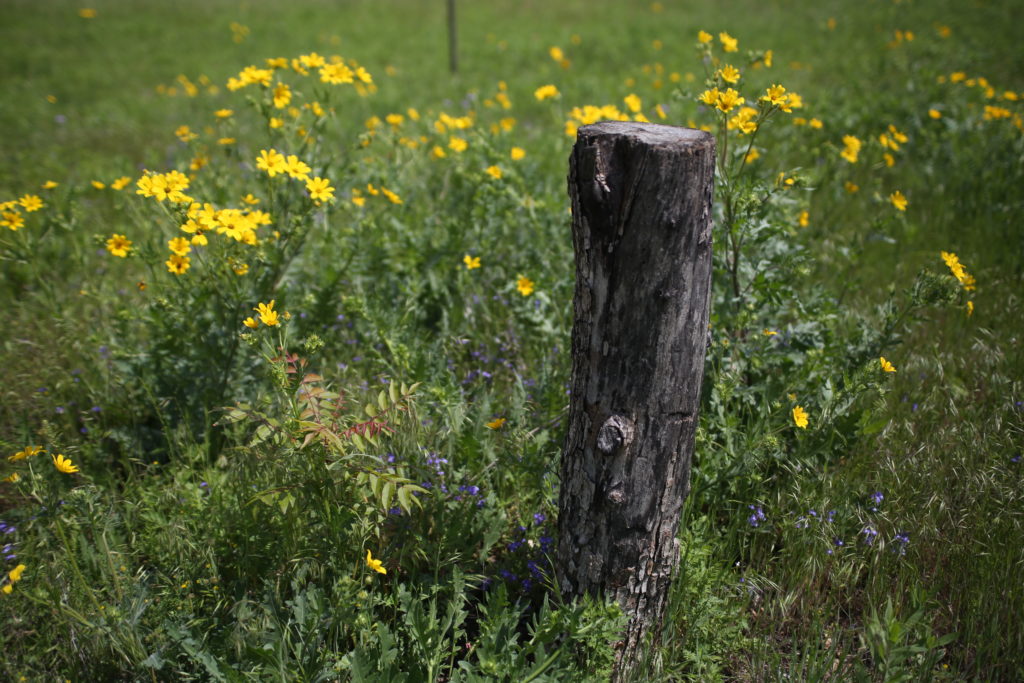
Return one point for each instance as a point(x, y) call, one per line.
point(641, 203)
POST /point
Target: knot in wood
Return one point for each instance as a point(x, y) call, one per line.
point(615, 434)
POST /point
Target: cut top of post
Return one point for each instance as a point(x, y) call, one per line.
point(654, 134)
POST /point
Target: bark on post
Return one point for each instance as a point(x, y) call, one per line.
point(641, 225)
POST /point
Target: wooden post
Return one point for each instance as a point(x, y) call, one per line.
point(641, 227)
point(453, 55)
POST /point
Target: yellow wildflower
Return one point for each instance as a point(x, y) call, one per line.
point(179, 245)
point(457, 144)
point(898, 200)
point(703, 37)
point(320, 189)
point(119, 245)
point(250, 323)
point(375, 565)
point(517, 153)
point(851, 148)
point(729, 44)
point(31, 202)
point(496, 423)
point(27, 452)
point(178, 264)
point(12, 219)
point(282, 95)
point(545, 91)
point(471, 261)
point(336, 74)
point(800, 417)
point(271, 161)
point(184, 133)
point(729, 74)
point(296, 168)
point(524, 285)
point(775, 95)
point(886, 365)
point(709, 97)
point(268, 316)
point(64, 464)
point(494, 172)
point(728, 99)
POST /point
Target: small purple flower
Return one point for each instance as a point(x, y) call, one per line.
point(539, 517)
point(757, 517)
point(60, 410)
point(869, 534)
point(903, 539)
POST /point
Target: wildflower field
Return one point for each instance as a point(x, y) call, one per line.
point(286, 343)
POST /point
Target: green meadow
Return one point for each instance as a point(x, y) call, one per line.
point(286, 344)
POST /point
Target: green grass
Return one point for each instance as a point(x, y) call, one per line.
point(202, 544)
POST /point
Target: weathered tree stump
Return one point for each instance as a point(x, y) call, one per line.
point(641, 225)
